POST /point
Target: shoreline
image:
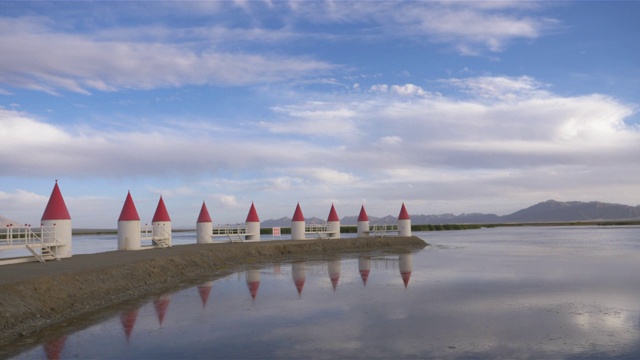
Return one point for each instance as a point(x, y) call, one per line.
point(35, 296)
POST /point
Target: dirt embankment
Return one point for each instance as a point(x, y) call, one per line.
point(35, 295)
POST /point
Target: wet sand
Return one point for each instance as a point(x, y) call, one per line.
point(34, 296)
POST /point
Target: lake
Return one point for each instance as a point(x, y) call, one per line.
point(522, 292)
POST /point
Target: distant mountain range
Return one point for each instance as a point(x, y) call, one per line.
point(547, 211)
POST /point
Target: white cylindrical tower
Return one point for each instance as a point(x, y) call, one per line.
point(404, 222)
point(204, 226)
point(334, 224)
point(406, 267)
point(56, 224)
point(297, 225)
point(161, 224)
point(363, 223)
point(253, 224)
point(129, 226)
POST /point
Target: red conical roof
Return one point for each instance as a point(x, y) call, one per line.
point(204, 216)
point(333, 215)
point(363, 215)
point(404, 215)
point(297, 216)
point(56, 208)
point(129, 212)
point(161, 212)
point(252, 216)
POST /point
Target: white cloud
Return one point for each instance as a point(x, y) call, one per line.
point(478, 154)
point(49, 60)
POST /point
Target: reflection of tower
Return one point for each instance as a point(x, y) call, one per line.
point(299, 273)
point(253, 282)
point(128, 320)
point(334, 272)
point(363, 223)
point(364, 265)
point(161, 305)
point(204, 226)
point(56, 218)
point(129, 226)
point(334, 223)
point(297, 224)
point(404, 222)
point(53, 349)
point(161, 223)
point(204, 290)
point(406, 267)
point(253, 224)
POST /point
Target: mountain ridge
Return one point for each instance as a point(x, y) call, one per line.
point(546, 211)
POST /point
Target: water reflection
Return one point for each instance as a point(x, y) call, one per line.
point(53, 349)
point(364, 267)
point(205, 290)
point(299, 274)
point(465, 297)
point(128, 320)
point(253, 282)
point(334, 272)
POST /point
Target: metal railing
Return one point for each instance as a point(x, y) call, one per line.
point(382, 230)
point(24, 235)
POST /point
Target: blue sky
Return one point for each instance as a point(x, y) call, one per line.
point(450, 107)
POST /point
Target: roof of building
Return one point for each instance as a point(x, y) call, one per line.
point(161, 212)
point(56, 208)
point(333, 215)
point(363, 215)
point(204, 216)
point(297, 216)
point(252, 216)
point(129, 212)
point(404, 215)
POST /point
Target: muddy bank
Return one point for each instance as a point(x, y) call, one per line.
point(34, 296)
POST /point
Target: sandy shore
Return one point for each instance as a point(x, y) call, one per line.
point(34, 296)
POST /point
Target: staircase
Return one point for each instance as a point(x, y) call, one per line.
point(235, 237)
point(161, 242)
point(45, 253)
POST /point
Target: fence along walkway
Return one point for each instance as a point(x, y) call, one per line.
point(382, 230)
point(158, 236)
point(41, 245)
point(321, 230)
point(235, 233)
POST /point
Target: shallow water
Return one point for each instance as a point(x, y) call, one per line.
point(531, 292)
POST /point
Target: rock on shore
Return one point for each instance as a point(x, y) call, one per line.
point(34, 296)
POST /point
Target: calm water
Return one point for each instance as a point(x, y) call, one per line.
point(547, 292)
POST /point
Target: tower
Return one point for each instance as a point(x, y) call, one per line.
point(204, 226)
point(297, 225)
point(129, 226)
point(56, 224)
point(253, 224)
point(363, 223)
point(404, 222)
point(334, 224)
point(161, 224)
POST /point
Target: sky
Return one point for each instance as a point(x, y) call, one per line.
point(449, 107)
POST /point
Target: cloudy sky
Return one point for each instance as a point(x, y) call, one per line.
point(451, 107)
